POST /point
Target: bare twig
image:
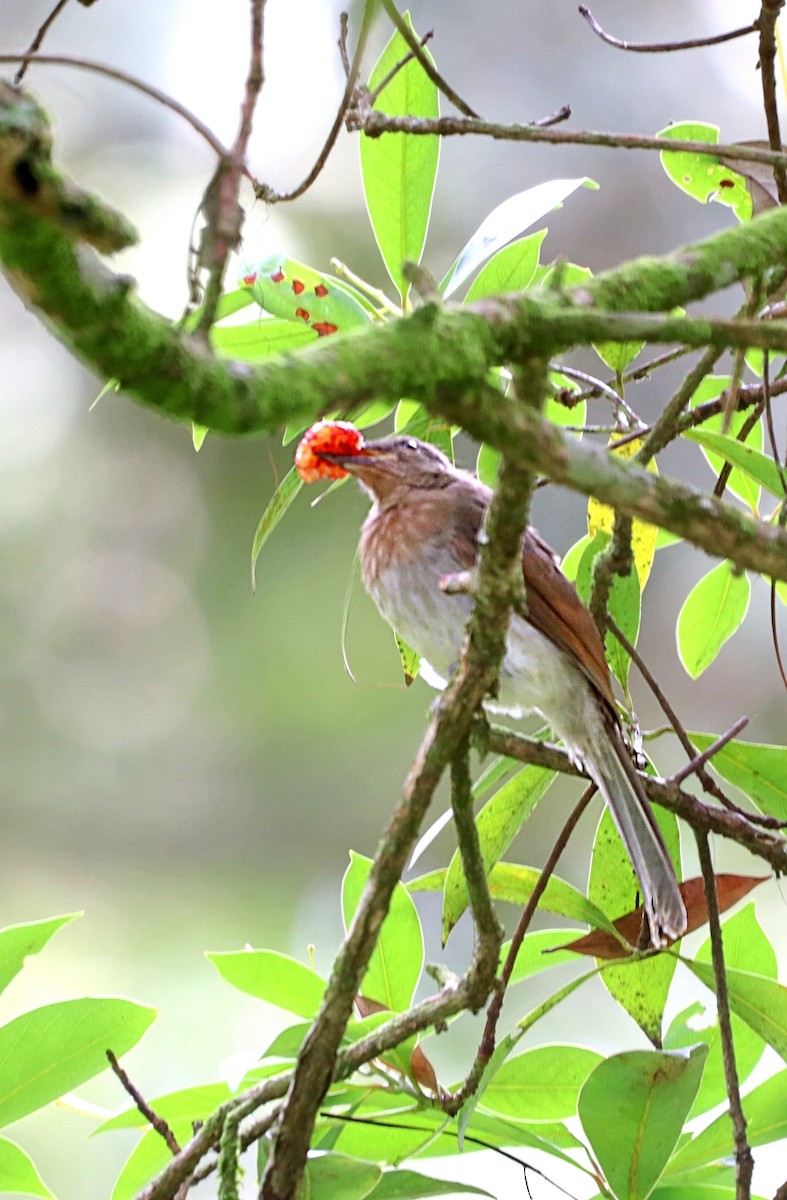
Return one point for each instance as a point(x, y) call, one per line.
point(412, 41)
point(729, 823)
point(38, 39)
point(489, 933)
point(665, 428)
point(220, 203)
point(663, 47)
point(147, 89)
point(561, 114)
point(691, 768)
point(744, 1163)
point(158, 1123)
point(709, 784)
point(486, 1047)
point(397, 67)
point(376, 124)
point(766, 23)
point(270, 195)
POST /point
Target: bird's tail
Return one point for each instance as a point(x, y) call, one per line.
point(612, 771)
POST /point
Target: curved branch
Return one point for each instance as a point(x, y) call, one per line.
point(437, 356)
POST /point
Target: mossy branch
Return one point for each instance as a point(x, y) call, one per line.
point(439, 355)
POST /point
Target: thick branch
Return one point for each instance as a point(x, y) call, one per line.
point(436, 356)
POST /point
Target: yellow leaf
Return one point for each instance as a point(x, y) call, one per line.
point(601, 518)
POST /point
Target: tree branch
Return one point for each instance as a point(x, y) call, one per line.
point(437, 356)
point(498, 584)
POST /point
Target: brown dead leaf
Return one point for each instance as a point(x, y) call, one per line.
point(421, 1070)
point(599, 943)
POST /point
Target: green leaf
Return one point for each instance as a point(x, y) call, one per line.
point(640, 985)
point(229, 303)
point(435, 430)
point(538, 952)
point(184, 1105)
point(512, 269)
point(54, 1049)
point(713, 610)
point(278, 504)
point(506, 222)
point(339, 1177)
point(198, 435)
point(760, 771)
point(18, 1172)
point(746, 948)
point(702, 176)
point(398, 958)
point(541, 1084)
point(617, 355)
point(409, 659)
point(487, 464)
point(409, 1185)
point(760, 1002)
point(514, 883)
point(766, 1121)
point(746, 458)
point(150, 1155)
point(271, 976)
point(399, 171)
point(624, 605)
point(739, 483)
point(414, 1131)
point(498, 823)
point(260, 339)
point(19, 941)
point(632, 1109)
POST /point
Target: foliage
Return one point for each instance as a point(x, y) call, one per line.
point(633, 1122)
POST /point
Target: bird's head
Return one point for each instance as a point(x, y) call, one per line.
point(384, 467)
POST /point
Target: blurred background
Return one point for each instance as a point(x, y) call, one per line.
point(188, 762)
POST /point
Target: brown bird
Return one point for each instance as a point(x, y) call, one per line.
point(423, 527)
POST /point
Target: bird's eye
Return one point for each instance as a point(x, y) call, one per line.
point(412, 444)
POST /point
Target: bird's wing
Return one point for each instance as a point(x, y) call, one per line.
point(553, 606)
point(555, 609)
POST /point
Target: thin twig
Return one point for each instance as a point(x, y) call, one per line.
point(767, 393)
point(766, 23)
point(747, 396)
point(561, 114)
point(412, 41)
point(691, 768)
point(147, 89)
point(708, 782)
point(353, 74)
point(489, 933)
point(344, 26)
point(744, 1162)
point(158, 1123)
point(397, 67)
point(39, 37)
point(487, 1044)
point(744, 431)
point(221, 204)
point(666, 427)
point(663, 47)
point(728, 823)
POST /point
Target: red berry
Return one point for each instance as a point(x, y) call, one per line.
point(335, 437)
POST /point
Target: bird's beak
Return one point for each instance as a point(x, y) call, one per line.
point(373, 456)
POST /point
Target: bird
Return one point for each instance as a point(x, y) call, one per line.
point(422, 529)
